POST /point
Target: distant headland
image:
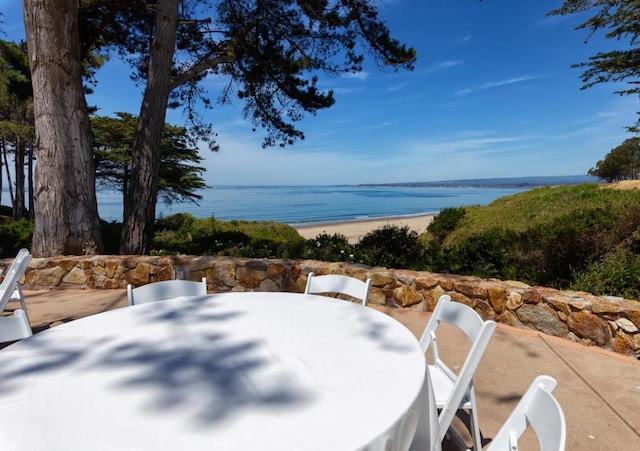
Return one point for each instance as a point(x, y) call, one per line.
point(503, 182)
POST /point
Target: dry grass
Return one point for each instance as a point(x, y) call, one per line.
point(624, 184)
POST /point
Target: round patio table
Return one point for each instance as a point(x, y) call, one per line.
point(233, 371)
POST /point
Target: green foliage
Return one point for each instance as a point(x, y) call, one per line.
point(185, 234)
point(14, 235)
point(445, 222)
point(618, 20)
point(538, 207)
point(616, 275)
point(619, 164)
point(390, 246)
point(483, 255)
point(16, 92)
point(332, 248)
point(17, 129)
point(544, 236)
point(180, 177)
point(270, 53)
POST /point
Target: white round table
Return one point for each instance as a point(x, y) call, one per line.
point(233, 371)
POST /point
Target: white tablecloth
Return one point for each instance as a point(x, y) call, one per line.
point(236, 371)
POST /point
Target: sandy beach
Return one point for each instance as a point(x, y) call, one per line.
point(355, 230)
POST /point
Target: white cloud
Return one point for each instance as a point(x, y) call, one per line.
point(467, 38)
point(380, 125)
point(395, 87)
point(362, 75)
point(442, 65)
point(496, 84)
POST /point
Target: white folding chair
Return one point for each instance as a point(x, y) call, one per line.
point(166, 289)
point(10, 287)
point(340, 284)
point(539, 409)
point(15, 327)
point(453, 391)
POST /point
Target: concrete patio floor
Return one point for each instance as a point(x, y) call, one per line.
point(599, 390)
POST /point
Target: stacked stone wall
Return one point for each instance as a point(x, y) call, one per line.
point(607, 322)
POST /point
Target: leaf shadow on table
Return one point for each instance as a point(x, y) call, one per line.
point(380, 328)
point(208, 376)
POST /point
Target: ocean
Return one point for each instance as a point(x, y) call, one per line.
point(308, 205)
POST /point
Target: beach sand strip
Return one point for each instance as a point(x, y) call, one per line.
point(355, 230)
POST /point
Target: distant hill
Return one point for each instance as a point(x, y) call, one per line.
point(504, 182)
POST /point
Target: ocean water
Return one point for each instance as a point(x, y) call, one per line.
point(306, 205)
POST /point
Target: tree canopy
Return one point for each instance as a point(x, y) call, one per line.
point(180, 178)
point(268, 53)
point(619, 164)
point(620, 21)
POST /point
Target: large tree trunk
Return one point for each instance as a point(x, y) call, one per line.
point(66, 210)
point(141, 197)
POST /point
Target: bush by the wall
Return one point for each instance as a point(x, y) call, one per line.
point(185, 234)
point(617, 274)
point(331, 248)
point(14, 235)
point(390, 246)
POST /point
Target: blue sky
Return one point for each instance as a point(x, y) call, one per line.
point(492, 95)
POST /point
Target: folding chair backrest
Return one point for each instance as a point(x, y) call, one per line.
point(12, 277)
point(166, 289)
point(539, 409)
point(338, 283)
point(19, 256)
point(479, 333)
point(464, 318)
point(14, 327)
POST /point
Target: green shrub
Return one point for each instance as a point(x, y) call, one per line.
point(391, 246)
point(332, 248)
point(224, 242)
point(617, 274)
point(14, 235)
point(445, 222)
point(178, 221)
point(183, 233)
point(483, 255)
point(174, 234)
point(550, 254)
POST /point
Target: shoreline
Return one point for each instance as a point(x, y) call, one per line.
point(356, 229)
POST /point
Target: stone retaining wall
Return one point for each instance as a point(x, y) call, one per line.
point(611, 323)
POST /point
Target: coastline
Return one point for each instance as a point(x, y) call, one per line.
point(355, 230)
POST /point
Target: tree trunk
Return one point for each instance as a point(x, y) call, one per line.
point(66, 209)
point(141, 197)
point(30, 179)
point(5, 165)
point(3, 152)
point(18, 204)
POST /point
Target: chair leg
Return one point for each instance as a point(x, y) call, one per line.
point(473, 420)
point(19, 296)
